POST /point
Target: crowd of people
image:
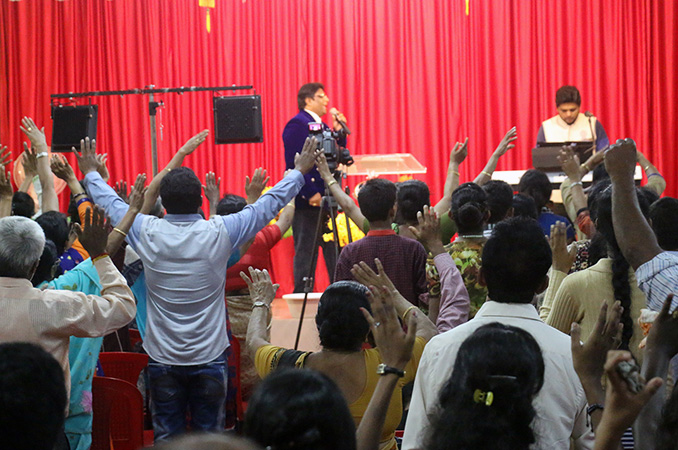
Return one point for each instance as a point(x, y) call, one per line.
point(484, 320)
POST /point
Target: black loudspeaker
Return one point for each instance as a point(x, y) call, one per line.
point(70, 124)
point(237, 119)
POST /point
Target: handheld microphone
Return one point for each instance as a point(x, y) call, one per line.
point(335, 113)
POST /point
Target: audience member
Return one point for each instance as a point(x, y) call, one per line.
point(471, 214)
point(343, 329)
point(524, 206)
point(32, 398)
point(515, 262)
point(499, 201)
point(504, 146)
point(487, 402)
point(578, 297)
point(207, 441)
point(664, 220)
point(534, 183)
point(404, 259)
point(185, 259)
point(23, 205)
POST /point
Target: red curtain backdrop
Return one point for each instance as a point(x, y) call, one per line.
point(411, 75)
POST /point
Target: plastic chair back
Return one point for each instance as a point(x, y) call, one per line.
point(118, 420)
point(123, 365)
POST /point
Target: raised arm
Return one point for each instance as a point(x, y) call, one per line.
point(457, 156)
point(634, 235)
point(212, 193)
point(136, 200)
point(504, 145)
point(395, 348)
point(655, 180)
point(345, 201)
point(50, 202)
point(256, 186)
point(176, 161)
point(573, 191)
point(453, 305)
point(364, 274)
point(6, 192)
point(262, 291)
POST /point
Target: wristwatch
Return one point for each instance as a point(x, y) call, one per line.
point(259, 303)
point(383, 369)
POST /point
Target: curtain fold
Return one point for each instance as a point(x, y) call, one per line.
point(411, 75)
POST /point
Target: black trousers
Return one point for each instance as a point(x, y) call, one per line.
point(304, 230)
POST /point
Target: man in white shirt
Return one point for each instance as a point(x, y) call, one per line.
point(515, 262)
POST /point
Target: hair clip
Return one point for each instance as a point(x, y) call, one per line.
point(483, 397)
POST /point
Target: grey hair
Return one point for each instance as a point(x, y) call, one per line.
point(22, 244)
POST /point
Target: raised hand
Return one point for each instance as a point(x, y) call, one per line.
point(323, 168)
point(255, 187)
point(34, 134)
point(121, 190)
point(194, 142)
point(61, 168)
point(6, 189)
point(395, 347)
point(305, 161)
point(136, 196)
point(428, 230)
point(506, 143)
point(459, 152)
point(620, 160)
point(364, 274)
point(663, 336)
point(589, 358)
point(260, 285)
point(570, 163)
point(93, 235)
point(102, 169)
point(29, 161)
point(562, 257)
point(5, 156)
point(87, 159)
point(211, 188)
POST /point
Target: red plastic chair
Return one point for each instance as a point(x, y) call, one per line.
point(118, 415)
point(123, 365)
point(240, 407)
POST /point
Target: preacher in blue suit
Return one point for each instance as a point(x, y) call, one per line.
point(312, 102)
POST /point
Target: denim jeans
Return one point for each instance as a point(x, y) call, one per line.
point(200, 390)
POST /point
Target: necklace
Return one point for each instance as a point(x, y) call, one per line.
point(471, 236)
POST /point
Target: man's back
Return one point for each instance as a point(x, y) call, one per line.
point(404, 261)
point(560, 404)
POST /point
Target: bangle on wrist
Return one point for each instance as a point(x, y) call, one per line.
point(592, 408)
point(454, 172)
point(101, 256)
point(116, 229)
point(646, 168)
point(259, 304)
point(331, 183)
point(574, 183)
point(584, 166)
point(486, 173)
point(79, 195)
point(407, 311)
point(656, 174)
point(41, 155)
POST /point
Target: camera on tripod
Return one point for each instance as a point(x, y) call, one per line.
point(327, 141)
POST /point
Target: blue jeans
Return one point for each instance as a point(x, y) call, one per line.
point(200, 389)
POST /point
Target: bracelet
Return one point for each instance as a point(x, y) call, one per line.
point(407, 311)
point(454, 172)
point(81, 201)
point(645, 168)
point(584, 166)
point(592, 408)
point(332, 183)
point(101, 256)
point(41, 155)
point(79, 195)
point(486, 173)
point(577, 183)
point(120, 231)
point(655, 175)
point(259, 304)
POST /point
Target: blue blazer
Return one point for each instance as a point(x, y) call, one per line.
point(294, 135)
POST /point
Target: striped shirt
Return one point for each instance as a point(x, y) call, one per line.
point(658, 278)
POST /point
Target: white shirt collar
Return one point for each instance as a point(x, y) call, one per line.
point(314, 115)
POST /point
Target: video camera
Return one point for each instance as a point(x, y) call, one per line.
point(327, 141)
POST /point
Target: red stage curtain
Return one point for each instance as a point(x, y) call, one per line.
point(411, 75)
